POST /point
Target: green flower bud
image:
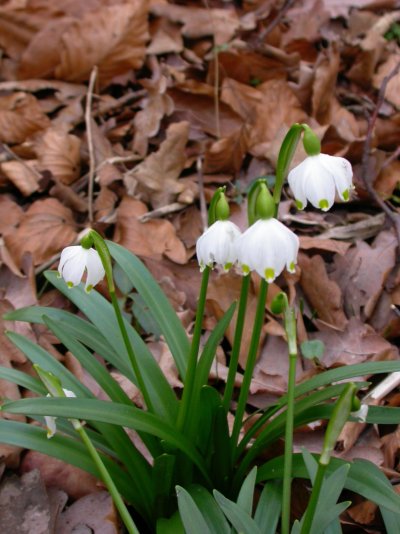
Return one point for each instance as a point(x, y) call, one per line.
point(279, 304)
point(260, 204)
point(219, 207)
point(311, 143)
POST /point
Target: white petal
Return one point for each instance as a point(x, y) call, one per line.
point(296, 180)
point(74, 267)
point(69, 393)
point(51, 425)
point(319, 186)
point(95, 269)
point(217, 244)
point(342, 173)
point(67, 254)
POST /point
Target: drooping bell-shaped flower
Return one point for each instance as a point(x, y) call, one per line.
point(318, 177)
point(73, 262)
point(216, 246)
point(267, 247)
point(51, 420)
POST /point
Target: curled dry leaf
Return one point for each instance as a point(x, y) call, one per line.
point(324, 85)
point(330, 245)
point(113, 38)
point(158, 174)
point(151, 239)
point(226, 155)
point(323, 294)
point(20, 117)
point(198, 22)
point(59, 153)
point(264, 109)
point(22, 175)
point(362, 271)
point(46, 228)
point(392, 92)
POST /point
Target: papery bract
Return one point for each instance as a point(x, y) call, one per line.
point(316, 179)
point(73, 262)
point(266, 247)
point(217, 245)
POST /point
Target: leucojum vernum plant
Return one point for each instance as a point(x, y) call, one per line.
point(199, 475)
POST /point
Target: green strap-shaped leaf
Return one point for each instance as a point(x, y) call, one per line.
point(157, 302)
point(112, 413)
point(239, 518)
point(191, 516)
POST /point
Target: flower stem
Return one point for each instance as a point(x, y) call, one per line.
point(251, 360)
point(233, 364)
point(288, 455)
point(132, 358)
point(194, 350)
point(312, 505)
point(108, 481)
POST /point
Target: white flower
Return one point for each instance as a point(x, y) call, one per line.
point(217, 245)
point(266, 247)
point(73, 262)
point(315, 180)
point(50, 420)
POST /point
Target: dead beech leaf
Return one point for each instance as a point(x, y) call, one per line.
point(326, 72)
point(388, 179)
point(392, 92)
point(308, 242)
point(46, 227)
point(356, 344)
point(59, 153)
point(226, 155)
point(54, 472)
point(112, 37)
point(198, 22)
point(361, 273)
point(20, 117)
point(264, 109)
point(165, 37)
point(323, 294)
point(14, 214)
point(22, 175)
point(151, 239)
point(158, 174)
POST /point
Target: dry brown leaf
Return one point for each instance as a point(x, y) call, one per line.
point(59, 153)
point(104, 204)
point(113, 38)
point(158, 174)
point(165, 37)
point(308, 242)
point(362, 272)
point(323, 294)
point(304, 26)
point(151, 239)
point(22, 175)
point(264, 109)
point(155, 106)
point(198, 22)
point(392, 92)
point(356, 344)
point(324, 85)
point(388, 179)
point(20, 117)
point(14, 214)
point(226, 155)
point(54, 472)
point(46, 228)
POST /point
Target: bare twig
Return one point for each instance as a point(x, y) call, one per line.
point(89, 135)
point(365, 171)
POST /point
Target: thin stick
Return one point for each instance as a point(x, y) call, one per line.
point(88, 120)
point(365, 173)
point(268, 29)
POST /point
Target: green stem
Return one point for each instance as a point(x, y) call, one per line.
point(237, 340)
point(108, 481)
point(132, 358)
point(312, 505)
point(288, 458)
point(194, 351)
point(251, 361)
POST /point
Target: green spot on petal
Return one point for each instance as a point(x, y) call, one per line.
point(269, 274)
point(245, 269)
point(89, 288)
point(70, 285)
point(292, 267)
point(346, 195)
point(323, 204)
point(227, 266)
point(299, 205)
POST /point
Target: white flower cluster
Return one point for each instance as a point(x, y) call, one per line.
point(266, 247)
